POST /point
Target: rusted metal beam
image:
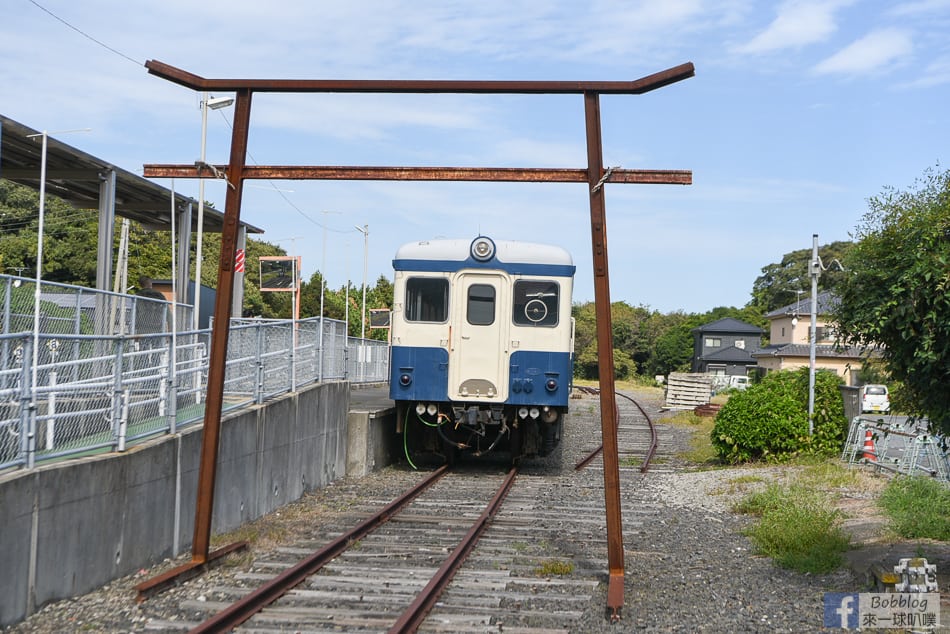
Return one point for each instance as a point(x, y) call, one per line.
point(211, 432)
point(181, 574)
point(495, 174)
point(605, 355)
point(634, 87)
point(237, 171)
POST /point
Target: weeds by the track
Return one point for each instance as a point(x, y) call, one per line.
point(918, 507)
point(797, 527)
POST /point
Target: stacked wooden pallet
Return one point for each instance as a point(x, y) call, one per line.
point(688, 390)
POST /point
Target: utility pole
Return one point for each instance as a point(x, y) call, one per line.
point(815, 271)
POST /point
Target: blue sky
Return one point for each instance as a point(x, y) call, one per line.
point(799, 112)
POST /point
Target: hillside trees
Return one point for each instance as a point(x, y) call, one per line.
point(897, 291)
point(779, 282)
point(646, 342)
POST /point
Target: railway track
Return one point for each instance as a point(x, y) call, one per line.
point(637, 436)
point(538, 567)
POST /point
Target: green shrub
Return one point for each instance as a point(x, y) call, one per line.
point(918, 507)
point(769, 420)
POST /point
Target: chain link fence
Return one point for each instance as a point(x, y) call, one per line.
point(97, 371)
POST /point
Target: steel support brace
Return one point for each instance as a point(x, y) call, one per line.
point(594, 175)
point(211, 433)
point(605, 354)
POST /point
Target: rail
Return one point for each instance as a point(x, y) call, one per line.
point(255, 601)
point(651, 450)
point(410, 620)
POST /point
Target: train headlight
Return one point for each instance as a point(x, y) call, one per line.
point(534, 413)
point(522, 412)
point(432, 409)
point(516, 386)
point(528, 386)
point(405, 379)
point(483, 249)
point(550, 385)
point(420, 408)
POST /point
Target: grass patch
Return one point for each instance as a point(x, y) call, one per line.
point(701, 451)
point(554, 567)
point(796, 528)
point(631, 461)
point(917, 507)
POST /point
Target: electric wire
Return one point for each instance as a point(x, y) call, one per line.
point(84, 34)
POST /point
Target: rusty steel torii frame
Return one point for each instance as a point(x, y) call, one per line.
point(237, 171)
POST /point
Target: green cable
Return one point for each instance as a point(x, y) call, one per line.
point(405, 443)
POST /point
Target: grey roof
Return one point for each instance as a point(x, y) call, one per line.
point(730, 325)
point(803, 350)
point(730, 354)
point(826, 302)
point(74, 176)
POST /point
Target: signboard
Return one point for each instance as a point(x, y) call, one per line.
point(280, 272)
point(379, 317)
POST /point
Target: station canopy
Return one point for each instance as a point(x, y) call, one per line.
point(75, 177)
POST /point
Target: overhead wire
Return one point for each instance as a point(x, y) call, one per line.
point(84, 34)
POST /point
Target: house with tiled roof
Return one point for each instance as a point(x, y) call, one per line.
point(789, 344)
point(725, 347)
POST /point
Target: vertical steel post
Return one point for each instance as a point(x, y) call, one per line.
point(211, 434)
point(605, 358)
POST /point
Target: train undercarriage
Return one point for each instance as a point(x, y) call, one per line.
point(451, 431)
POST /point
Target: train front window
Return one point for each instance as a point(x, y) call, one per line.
point(427, 299)
point(481, 304)
point(535, 303)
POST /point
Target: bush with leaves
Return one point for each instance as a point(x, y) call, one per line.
point(769, 420)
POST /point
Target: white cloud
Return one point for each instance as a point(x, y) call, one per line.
point(920, 7)
point(871, 53)
point(796, 25)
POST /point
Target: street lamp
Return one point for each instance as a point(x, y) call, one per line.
point(215, 103)
point(365, 231)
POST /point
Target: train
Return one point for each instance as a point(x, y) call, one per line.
point(482, 347)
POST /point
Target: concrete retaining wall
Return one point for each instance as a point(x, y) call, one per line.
point(68, 528)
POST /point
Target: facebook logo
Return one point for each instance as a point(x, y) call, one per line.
point(841, 610)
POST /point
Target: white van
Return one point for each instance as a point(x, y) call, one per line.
point(875, 398)
point(739, 382)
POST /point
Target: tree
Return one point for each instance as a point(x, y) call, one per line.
point(897, 292)
point(780, 281)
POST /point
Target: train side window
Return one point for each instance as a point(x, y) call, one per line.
point(427, 299)
point(481, 305)
point(535, 303)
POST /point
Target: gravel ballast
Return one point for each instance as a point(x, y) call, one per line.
point(688, 566)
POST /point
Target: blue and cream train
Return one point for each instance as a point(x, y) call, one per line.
point(482, 346)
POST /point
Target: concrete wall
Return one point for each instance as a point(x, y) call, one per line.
point(371, 443)
point(68, 528)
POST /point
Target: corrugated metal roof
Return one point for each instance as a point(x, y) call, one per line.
point(74, 176)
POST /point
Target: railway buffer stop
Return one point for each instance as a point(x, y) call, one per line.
point(594, 175)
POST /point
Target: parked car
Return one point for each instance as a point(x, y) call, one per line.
point(739, 382)
point(875, 398)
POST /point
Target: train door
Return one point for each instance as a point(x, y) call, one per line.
point(478, 361)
